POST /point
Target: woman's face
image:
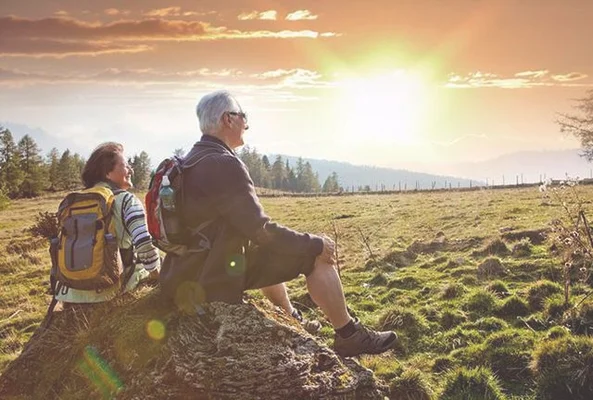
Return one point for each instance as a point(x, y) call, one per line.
point(121, 174)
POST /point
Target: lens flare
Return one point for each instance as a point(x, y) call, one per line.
point(155, 329)
point(98, 371)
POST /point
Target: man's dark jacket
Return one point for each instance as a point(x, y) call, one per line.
point(219, 188)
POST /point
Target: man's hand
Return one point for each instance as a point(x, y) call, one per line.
point(328, 255)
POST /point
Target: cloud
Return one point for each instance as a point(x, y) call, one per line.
point(263, 15)
point(532, 74)
point(301, 15)
point(62, 13)
point(16, 77)
point(297, 77)
point(276, 79)
point(59, 49)
point(75, 37)
point(523, 79)
point(71, 29)
point(115, 12)
point(573, 76)
point(171, 12)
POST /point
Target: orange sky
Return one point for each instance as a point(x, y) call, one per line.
point(401, 83)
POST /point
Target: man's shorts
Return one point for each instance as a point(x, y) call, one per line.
point(266, 267)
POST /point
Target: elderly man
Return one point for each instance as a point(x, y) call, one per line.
point(247, 249)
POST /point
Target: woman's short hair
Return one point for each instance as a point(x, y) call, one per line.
point(100, 163)
point(211, 108)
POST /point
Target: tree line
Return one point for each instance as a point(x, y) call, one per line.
point(279, 175)
point(26, 172)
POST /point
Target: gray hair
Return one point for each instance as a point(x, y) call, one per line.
point(211, 108)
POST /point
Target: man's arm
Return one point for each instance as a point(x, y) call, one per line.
point(229, 185)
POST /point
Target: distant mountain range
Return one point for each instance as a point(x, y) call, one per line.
point(378, 178)
point(526, 166)
point(519, 167)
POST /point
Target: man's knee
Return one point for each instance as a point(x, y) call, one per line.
point(321, 266)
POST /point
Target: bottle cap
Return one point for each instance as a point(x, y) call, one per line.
point(165, 181)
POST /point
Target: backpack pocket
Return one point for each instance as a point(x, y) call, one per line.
point(112, 261)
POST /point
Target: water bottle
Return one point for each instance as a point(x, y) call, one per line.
point(167, 194)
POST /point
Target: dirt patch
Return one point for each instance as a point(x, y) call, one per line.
point(495, 248)
point(400, 258)
point(536, 236)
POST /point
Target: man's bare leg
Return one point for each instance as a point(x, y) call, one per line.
point(325, 289)
point(278, 295)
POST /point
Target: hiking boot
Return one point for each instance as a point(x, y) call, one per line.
point(310, 325)
point(364, 341)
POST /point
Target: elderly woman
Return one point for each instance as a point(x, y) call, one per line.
point(107, 167)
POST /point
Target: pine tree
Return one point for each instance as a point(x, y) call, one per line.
point(331, 184)
point(53, 159)
point(35, 172)
point(11, 175)
point(69, 168)
point(141, 166)
point(278, 174)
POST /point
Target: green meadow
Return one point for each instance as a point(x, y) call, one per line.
point(471, 281)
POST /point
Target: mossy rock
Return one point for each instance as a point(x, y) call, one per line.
point(141, 348)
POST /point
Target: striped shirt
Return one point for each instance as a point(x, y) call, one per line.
point(131, 232)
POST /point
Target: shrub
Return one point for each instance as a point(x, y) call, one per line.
point(499, 288)
point(452, 318)
point(453, 290)
point(541, 290)
point(514, 306)
point(563, 368)
point(45, 226)
point(411, 385)
point(481, 302)
point(472, 384)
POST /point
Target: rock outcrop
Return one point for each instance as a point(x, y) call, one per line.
point(137, 348)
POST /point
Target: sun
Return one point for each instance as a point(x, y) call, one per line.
point(389, 108)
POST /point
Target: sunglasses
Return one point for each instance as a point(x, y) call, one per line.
point(240, 114)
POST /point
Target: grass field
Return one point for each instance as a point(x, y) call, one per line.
point(463, 277)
